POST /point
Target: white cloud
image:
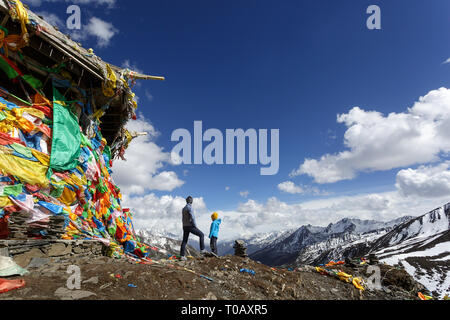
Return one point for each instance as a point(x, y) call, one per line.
point(108, 3)
point(446, 61)
point(290, 187)
point(378, 142)
point(163, 213)
point(175, 159)
point(250, 206)
point(144, 160)
point(165, 181)
point(244, 194)
point(100, 29)
point(374, 141)
point(227, 188)
point(252, 217)
point(97, 28)
point(425, 181)
point(52, 19)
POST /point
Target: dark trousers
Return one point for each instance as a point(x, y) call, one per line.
point(213, 244)
point(186, 232)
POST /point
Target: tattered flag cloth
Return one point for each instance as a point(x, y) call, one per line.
point(8, 285)
point(356, 281)
point(73, 180)
point(55, 165)
point(9, 67)
point(66, 136)
point(9, 268)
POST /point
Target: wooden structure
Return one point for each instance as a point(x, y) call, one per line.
point(48, 54)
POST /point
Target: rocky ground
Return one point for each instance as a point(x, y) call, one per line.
point(104, 278)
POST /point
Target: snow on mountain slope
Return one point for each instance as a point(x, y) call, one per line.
point(347, 245)
point(427, 225)
point(164, 242)
point(286, 250)
point(422, 246)
point(320, 244)
point(358, 226)
point(255, 242)
point(427, 261)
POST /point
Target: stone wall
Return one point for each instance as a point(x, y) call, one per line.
point(23, 251)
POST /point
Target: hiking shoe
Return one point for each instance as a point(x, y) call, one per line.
point(203, 251)
point(183, 258)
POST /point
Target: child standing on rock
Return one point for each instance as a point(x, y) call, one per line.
point(214, 232)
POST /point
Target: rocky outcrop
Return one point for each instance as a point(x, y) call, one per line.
point(222, 278)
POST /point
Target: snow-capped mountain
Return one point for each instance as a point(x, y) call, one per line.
point(422, 247)
point(309, 243)
point(165, 243)
point(430, 225)
point(420, 244)
point(168, 243)
point(347, 238)
point(254, 242)
point(358, 226)
point(345, 245)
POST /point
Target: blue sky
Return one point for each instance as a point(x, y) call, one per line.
point(289, 65)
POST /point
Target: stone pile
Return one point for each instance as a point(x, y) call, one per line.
point(373, 259)
point(23, 251)
point(240, 249)
point(53, 228)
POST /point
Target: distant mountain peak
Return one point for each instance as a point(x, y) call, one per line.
point(419, 243)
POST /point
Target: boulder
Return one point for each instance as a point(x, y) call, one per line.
point(67, 294)
point(59, 249)
point(25, 258)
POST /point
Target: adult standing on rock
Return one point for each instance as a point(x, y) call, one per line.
point(189, 226)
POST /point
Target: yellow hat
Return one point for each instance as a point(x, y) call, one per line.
point(214, 216)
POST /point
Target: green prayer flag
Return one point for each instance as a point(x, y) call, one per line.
point(6, 67)
point(22, 150)
point(57, 190)
point(14, 190)
point(32, 81)
point(85, 141)
point(66, 139)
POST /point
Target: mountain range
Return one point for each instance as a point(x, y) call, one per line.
point(317, 245)
point(420, 245)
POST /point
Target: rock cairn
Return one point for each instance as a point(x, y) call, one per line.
point(240, 249)
point(373, 259)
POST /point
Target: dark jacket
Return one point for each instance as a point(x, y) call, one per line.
point(188, 216)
